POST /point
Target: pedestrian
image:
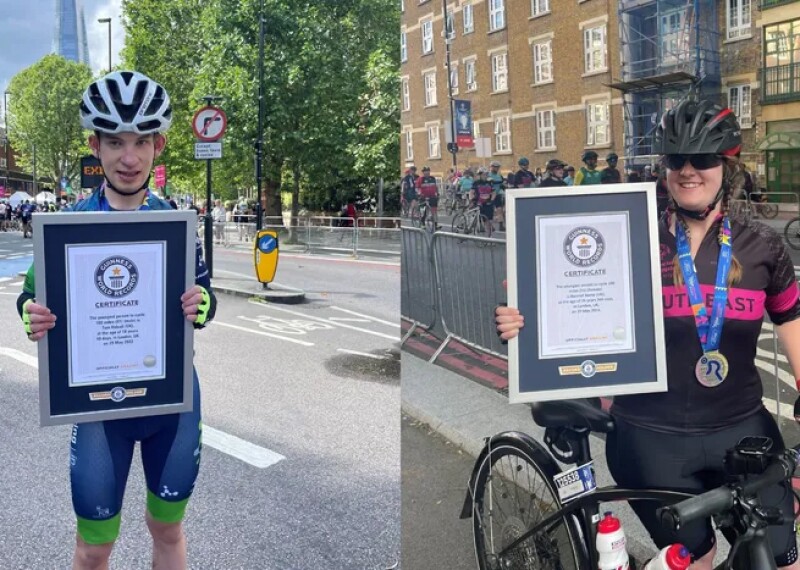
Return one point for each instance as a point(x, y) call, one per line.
point(610, 174)
point(218, 215)
point(26, 215)
point(127, 135)
point(554, 174)
point(569, 179)
point(720, 275)
point(499, 190)
point(588, 174)
point(3, 208)
point(409, 186)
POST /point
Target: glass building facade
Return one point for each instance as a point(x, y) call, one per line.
point(70, 38)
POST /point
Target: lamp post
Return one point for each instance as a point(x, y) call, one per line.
point(5, 139)
point(260, 140)
point(107, 21)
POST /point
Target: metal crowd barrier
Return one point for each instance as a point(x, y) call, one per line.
point(469, 281)
point(417, 281)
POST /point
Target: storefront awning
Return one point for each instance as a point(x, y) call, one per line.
point(781, 141)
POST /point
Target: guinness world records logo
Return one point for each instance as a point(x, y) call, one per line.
point(116, 276)
point(584, 246)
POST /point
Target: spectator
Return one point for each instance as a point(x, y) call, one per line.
point(218, 217)
point(524, 178)
point(610, 174)
point(554, 175)
point(588, 174)
point(569, 179)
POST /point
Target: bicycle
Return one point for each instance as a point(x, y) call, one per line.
point(422, 216)
point(527, 514)
point(471, 222)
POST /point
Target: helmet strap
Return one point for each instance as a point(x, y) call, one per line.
point(702, 214)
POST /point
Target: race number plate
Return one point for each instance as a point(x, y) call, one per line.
point(575, 482)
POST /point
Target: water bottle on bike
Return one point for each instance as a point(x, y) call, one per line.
point(674, 557)
point(611, 544)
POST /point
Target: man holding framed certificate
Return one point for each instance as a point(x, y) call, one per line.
point(109, 289)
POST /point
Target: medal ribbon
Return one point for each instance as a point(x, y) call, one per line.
point(709, 331)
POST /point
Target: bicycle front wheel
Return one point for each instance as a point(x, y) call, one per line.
point(512, 494)
point(792, 233)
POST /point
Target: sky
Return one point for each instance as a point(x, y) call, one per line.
point(28, 27)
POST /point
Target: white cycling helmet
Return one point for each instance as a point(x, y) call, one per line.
point(126, 102)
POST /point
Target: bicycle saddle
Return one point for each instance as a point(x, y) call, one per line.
point(574, 414)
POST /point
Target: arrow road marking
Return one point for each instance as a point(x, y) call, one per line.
point(228, 444)
point(294, 340)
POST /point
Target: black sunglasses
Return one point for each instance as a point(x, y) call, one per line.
point(698, 161)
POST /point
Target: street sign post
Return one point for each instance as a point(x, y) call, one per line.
point(209, 124)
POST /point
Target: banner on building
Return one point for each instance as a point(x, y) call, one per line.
point(464, 124)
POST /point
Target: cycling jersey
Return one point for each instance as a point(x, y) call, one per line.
point(498, 184)
point(610, 176)
point(101, 452)
point(768, 285)
point(524, 179)
point(483, 192)
point(551, 181)
point(585, 177)
point(410, 186)
point(465, 184)
point(427, 187)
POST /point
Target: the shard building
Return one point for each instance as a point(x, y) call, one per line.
point(70, 38)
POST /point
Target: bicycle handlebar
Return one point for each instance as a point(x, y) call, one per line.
point(723, 498)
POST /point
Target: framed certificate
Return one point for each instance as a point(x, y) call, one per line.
point(584, 270)
point(121, 347)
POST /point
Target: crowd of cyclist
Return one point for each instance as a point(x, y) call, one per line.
point(18, 217)
point(485, 188)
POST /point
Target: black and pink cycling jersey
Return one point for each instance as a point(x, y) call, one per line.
point(768, 285)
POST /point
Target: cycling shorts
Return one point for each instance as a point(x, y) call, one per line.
point(640, 458)
point(499, 200)
point(488, 211)
point(100, 458)
point(433, 201)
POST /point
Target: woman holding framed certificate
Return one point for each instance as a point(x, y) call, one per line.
point(720, 274)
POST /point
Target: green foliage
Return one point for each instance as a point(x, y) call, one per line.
point(330, 89)
point(43, 112)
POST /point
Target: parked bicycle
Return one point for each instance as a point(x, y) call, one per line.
point(471, 222)
point(755, 206)
point(527, 514)
point(791, 233)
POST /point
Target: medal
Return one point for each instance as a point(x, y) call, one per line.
point(711, 369)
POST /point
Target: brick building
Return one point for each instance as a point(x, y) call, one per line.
point(551, 78)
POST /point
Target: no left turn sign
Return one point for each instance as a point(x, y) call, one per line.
point(209, 124)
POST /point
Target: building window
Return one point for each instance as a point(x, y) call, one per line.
point(430, 89)
point(427, 37)
point(739, 103)
point(542, 62)
point(403, 47)
point(497, 15)
point(406, 95)
point(454, 77)
point(470, 75)
point(594, 46)
point(674, 36)
point(738, 18)
point(545, 129)
point(781, 73)
point(409, 145)
point(450, 25)
point(539, 7)
point(502, 133)
point(597, 127)
point(469, 20)
point(434, 150)
point(500, 72)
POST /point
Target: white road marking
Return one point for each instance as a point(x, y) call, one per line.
point(769, 368)
point(4, 279)
point(376, 319)
point(250, 453)
point(4, 293)
point(349, 320)
point(767, 326)
point(20, 356)
point(368, 355)
point(236, 447)
point(294, 340)
point(321, 320)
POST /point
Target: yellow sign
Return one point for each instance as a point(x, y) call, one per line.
point(265, 252)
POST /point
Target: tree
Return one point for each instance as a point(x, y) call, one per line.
point(43, 113)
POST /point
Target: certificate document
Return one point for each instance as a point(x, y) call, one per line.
point(585, 285)
point(116, 298)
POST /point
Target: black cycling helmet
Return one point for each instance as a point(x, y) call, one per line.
point(523, 161)
point(588, 155)
point(426, 169)
point(698, 127)
point(554, 163)
point(612, 157)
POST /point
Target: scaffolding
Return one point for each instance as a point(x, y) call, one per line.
point(667, 47)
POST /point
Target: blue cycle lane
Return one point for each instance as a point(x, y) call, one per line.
point(16, 254)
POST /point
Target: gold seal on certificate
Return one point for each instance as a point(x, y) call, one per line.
point(712, 369)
